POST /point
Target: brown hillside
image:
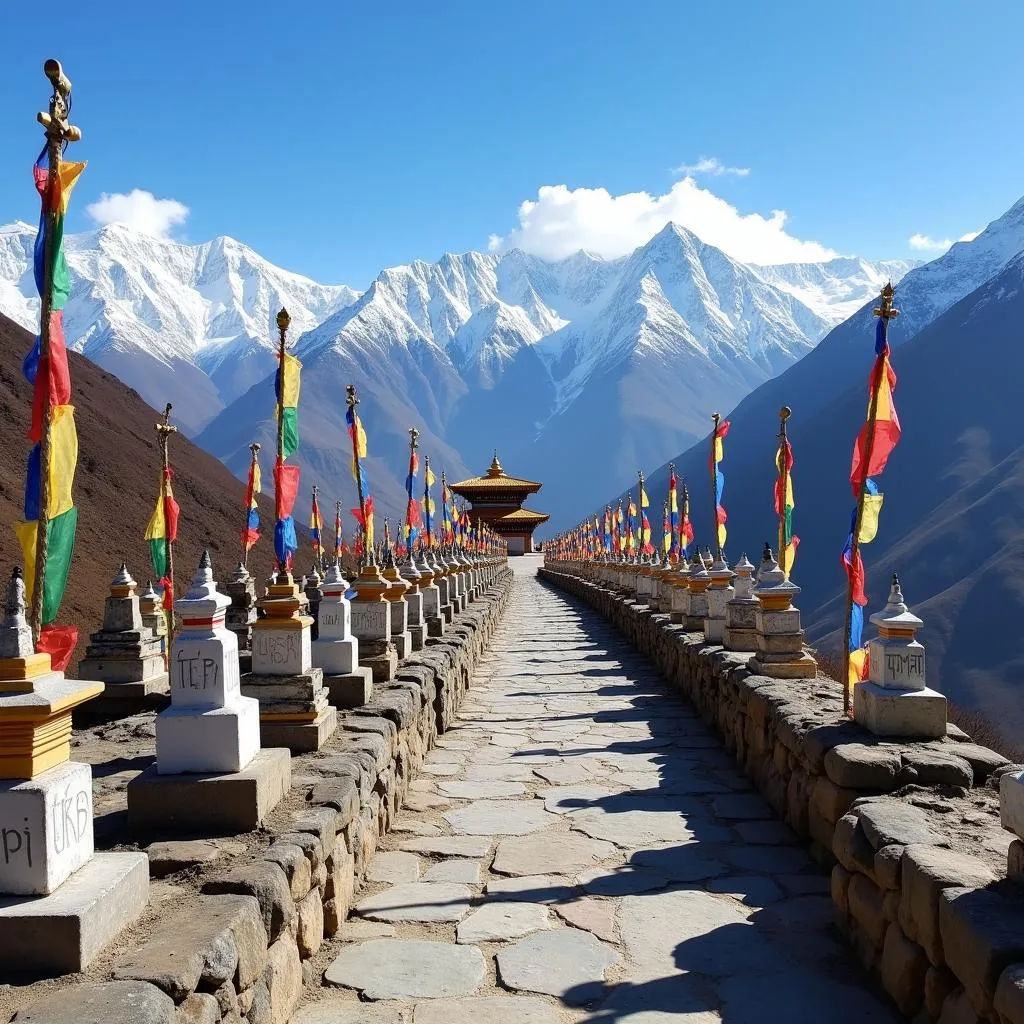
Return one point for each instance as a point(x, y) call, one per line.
point(116, 486)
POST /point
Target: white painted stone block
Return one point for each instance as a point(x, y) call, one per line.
point(399, 616)
point(896, 664)
point(717, 600)
point(336, 657)
point(371, 620)
point(914, 714)
point(680, 600)
point(335, 619)
point(414, 603)
point(431, 601)
point(1011, 802)
point(201, 740)
point(204, 672)
point(786, 621)
point(45, 829)
point(280, 651)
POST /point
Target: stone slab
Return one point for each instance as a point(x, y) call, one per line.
point(337, 1009)
point(501, 922)
point(563, 852)
point(566, 963)
point(457, 869)
point(499, 818)
point(468, 790)
point(165, 858)
point(64, 932)
point(408, 969)
point(350, 691)
point(592, 915)
point(532, 889)
point(222, 804)
point(300, 737)
point(112, 1002)
point(643, 823)
point(501, 1009)
point(394, 866)
point(418, 901)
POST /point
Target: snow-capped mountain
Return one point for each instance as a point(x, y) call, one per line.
point(951, 523)
point(189, 324)
point(570, 366)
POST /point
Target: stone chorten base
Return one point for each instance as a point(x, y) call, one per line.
point(435, 624)
point(352, 690)
point(788, 666)
point(63, 933)
point(295, 711)
point(418, 635)
point(221, 804)
point(739, 639)
point(120, 699)
point(911, 714)
point(380, 657)
point(299, 735)
point(403, 644)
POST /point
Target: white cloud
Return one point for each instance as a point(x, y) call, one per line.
point(925, 243)
point(139, 210)
point(710, 165)
point(561, 221)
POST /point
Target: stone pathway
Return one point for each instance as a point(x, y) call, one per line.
point(579, 848)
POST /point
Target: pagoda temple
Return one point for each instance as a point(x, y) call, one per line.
point(497, 500)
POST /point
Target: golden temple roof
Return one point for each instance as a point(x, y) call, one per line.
point(523, 515)
point(496, 480)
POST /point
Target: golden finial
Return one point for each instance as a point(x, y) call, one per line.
point(283, 320)
point(886, 308)
point(350, 396)
point(413, 437)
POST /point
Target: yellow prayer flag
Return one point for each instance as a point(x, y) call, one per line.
point(26, 534)
point(70, 171)
point(63, 459)
point(156, 529)
point(858, 665)
point(869, 519)
point(290, 393)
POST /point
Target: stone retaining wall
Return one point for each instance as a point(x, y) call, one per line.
point(911, 829)
point(246, 947)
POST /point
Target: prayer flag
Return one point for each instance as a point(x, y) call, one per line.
point(251, 533)
point(316, 525)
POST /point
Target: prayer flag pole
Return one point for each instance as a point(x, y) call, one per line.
point(164, 431)
point(351, 400)
point(783, 467)
point(283, 322)
point(58, 134)
point(254, 448)
point(886, 312)
point(715, 417)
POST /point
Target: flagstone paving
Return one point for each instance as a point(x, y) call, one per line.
point(580, 848)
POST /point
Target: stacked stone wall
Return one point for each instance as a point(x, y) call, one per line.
point(247, 946)
point(910, 829)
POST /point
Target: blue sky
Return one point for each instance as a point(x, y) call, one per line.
point(338, 138)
